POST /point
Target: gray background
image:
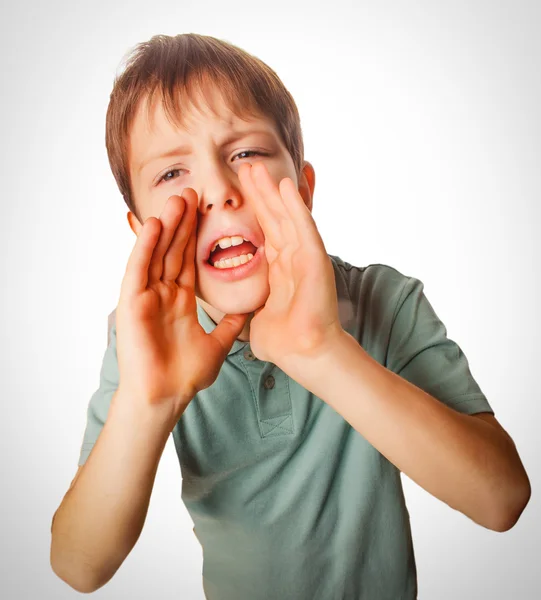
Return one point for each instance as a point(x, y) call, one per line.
point(422, 122)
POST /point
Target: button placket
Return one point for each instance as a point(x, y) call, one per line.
point(272, 395)
point(275, 407)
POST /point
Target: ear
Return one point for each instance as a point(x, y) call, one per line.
point(134, 223)
point(307, 183)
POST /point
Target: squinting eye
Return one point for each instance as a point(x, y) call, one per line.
point(165, 177)
point(254, 152)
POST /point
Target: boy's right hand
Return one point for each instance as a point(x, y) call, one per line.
point(164, 355)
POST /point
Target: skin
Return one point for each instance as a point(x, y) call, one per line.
point(212, 171)
point(467, 461)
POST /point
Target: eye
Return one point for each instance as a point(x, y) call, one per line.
point(253, 152)
point(165, 177)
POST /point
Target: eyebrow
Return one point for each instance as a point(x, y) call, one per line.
point(186, 149)
point(178, 151)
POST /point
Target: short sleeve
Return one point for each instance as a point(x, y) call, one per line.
point(420, 352)
point(98, 407)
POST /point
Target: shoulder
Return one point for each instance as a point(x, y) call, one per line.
point(370, 271)
point(369, 297)
point(374, 282)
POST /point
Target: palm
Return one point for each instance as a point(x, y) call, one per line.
point(301, 310)
point(163, 352)
point(168, 317)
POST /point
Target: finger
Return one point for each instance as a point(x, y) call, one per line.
point(228, 330)
point(136, 276)
point(175, 255)
point(272, 196)
point(170, 217)
point(282, 283)
point(269, 191)
point(186, 276)
point(300, 216)
point(267, 219)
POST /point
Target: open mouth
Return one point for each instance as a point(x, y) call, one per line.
point(231, 252)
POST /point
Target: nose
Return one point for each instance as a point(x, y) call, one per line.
point(219, 188)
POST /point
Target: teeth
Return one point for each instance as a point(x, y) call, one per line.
point(226, 242)
point(227, 263)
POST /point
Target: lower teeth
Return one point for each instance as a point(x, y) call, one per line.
point(227, 263)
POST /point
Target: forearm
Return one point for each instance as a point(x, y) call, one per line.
point(461, 460)
point(102, 516)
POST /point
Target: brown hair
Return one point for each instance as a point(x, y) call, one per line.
point(173, 65)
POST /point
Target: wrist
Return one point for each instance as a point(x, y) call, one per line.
point(311, 370)
point(142, 411)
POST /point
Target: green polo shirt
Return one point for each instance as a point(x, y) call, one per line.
point(288, 500)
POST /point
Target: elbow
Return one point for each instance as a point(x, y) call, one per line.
point(77, 577)
point(82, 585)
point(517, 498)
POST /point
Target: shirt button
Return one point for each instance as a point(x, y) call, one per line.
point(248, 355)
point(269, 382)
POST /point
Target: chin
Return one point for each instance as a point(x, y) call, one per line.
point(240, 297)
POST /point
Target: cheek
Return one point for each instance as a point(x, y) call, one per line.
point(283, 173)
point(161, 193)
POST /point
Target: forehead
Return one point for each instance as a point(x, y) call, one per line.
point(158, 121)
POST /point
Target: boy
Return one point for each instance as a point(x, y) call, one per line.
point(296, 386)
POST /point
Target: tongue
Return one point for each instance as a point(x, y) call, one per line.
point(222, 253)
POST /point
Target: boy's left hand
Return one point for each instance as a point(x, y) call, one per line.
point(300, 318)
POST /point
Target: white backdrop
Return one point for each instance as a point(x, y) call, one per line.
point(422, 121)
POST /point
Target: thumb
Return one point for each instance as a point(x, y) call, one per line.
point(228, 329)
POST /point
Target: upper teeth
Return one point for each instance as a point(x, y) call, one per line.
point(226, 242)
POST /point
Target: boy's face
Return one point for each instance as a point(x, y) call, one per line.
point(209, 153)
